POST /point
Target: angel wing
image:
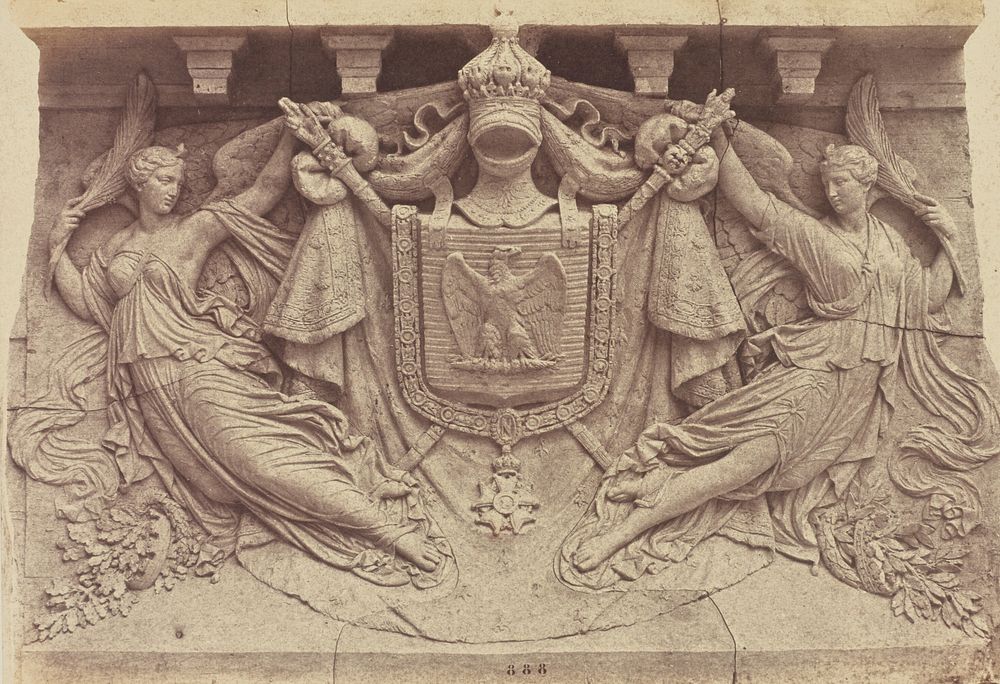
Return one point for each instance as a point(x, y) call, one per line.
point(236, 149)
point(769, 290)
point(462, 290)
point(204, 143)
point(541, 303)
point(223, 160)
point(767, 152)
point(407, 119)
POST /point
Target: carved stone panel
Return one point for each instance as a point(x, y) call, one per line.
point(660, 362)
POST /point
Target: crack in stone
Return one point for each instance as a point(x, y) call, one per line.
point(336, 643)
point(291, 47)
point(715, 207)
point(728, 629)
point(40, 400)
point(344, 626)
point(722, 23)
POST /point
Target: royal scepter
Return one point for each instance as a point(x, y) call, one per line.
point(677, 156)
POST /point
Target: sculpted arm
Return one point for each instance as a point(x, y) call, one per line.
point(205, 231)
point(783, 229)
point(273, 180)
point(939, 281)
point(68, 278)
point(737, 183)
point(69, 281)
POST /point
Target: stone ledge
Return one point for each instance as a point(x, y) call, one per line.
point(767, 627)
point(845, 13)
point(650, 59)
point(964, 16)
point(796, 62)
point(358, 57)
point(163, 668)
point(148, 13)
point(210, 65)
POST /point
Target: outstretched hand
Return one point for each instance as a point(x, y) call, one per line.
point(304, 123)
point(935, 217)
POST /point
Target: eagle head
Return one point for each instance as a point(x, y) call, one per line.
point(499, 263)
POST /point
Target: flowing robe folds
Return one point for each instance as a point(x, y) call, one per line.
point(193, 398)
point(825, 402)
point(677, 326)
point(645, 376)
point(321, 293)
point(689, 295)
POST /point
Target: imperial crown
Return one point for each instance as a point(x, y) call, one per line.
point(503, 85)
point(503, 70)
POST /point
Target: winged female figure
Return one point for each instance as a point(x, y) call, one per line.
point(794, 437)
point(195, 393)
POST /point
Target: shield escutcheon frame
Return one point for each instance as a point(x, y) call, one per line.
point(506, 425)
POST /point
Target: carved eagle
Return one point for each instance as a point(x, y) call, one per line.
point(502, 321)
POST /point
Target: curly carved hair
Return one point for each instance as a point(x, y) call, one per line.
point(863, 166)
point(142, 164)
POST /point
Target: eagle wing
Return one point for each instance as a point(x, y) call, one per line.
point(540, 300)
point(462, 290)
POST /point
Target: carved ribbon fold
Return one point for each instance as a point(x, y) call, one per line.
point(422, 124)
point(603, 176)
point(425, 172)
point(591, 129)
point(597, 173)
point(39, 442)
point(689, 293)
point(933, 461)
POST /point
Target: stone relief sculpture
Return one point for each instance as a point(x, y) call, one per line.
point(508, 339)
point(194, 393)
point(502, 321)
point(795, 438)
point(494, 325)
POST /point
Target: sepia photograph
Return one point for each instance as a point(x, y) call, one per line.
point(500, 341)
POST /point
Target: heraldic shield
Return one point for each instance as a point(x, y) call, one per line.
point(503, 333)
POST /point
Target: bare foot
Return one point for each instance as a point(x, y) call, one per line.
point(417, 549)
point(596, 550)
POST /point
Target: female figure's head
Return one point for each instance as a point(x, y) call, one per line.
point(848, 172)
point(156, 174)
